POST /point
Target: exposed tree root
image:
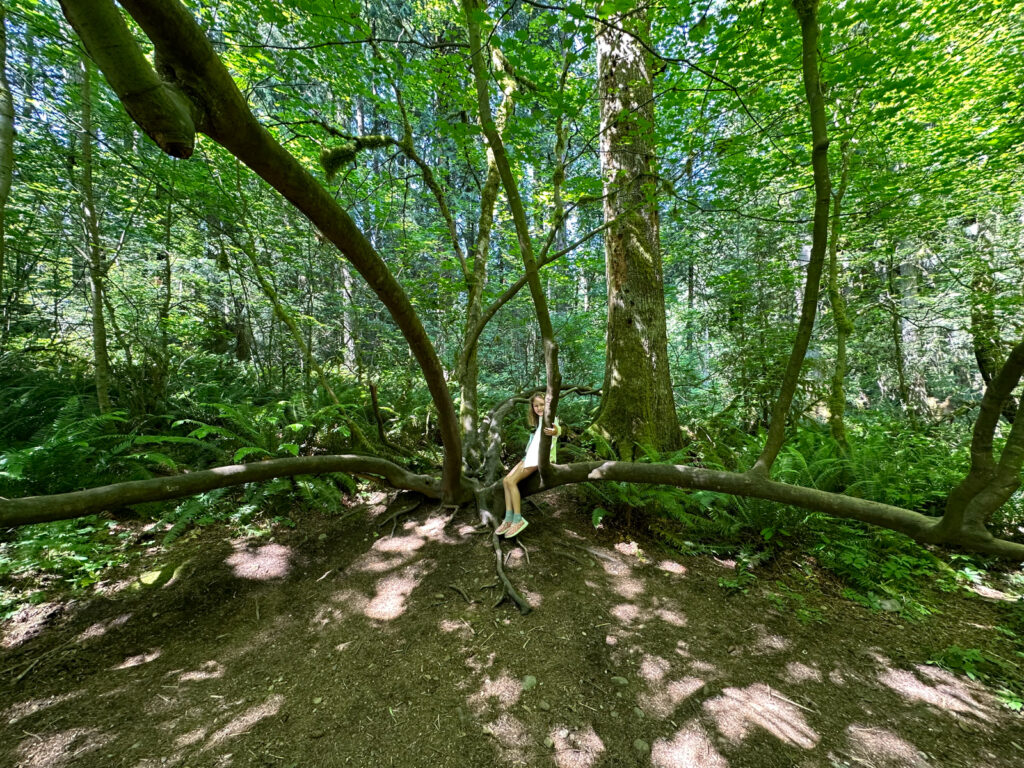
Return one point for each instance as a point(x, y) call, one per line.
point(510, 591)
point(403, 504)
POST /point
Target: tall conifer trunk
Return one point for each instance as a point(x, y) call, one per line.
point(636, 401)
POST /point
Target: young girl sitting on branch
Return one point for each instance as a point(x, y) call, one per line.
point(514, 521)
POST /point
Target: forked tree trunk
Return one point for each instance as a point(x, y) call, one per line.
point(985, 339)
point(807, 11)
point(473, 10)
point(637, 406)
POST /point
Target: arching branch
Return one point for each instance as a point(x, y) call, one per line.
point(190, 66)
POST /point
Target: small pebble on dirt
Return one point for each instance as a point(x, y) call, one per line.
point(529, 682)
point(549, 742)
point(620, 680)
point(544, 705)
point(318, 700)
point(638, 712)
point(641, 746)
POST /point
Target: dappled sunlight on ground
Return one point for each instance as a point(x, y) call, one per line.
point(102, 627)
point(246, 720)
point(941, 690)
point(512, 738)
point(380, 650)
point(576, 748)
point(16, 712)
point(374, 562)
point(690, 747)
point(348, 602)
point(60, 749)
point(626, 613)
point(28, 623)
point(139, 659)
point(393, 591)
point(801, 673)
point(883, 748)
point(208, 670)
point(535, 599)
point(991, 593)
point(505, 690)
point(190, 738)
point(766, 642)
point(459, 627)
point(671, 566)
point(738, 711)
point(415, 535)
point(666, 696)
point(259, 563)
point(479, 665)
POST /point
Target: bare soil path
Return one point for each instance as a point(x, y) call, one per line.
point(340, 644)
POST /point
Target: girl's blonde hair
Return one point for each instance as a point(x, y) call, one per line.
point(531, 417)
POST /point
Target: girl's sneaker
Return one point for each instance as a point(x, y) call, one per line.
point(516, 529)
point(505, 525)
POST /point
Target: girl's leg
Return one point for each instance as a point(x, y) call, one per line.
point(509, 480)
point(513, 487)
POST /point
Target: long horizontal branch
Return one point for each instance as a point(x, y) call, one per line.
point(65, 506)
point(921, 528)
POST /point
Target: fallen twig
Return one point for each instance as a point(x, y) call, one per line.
point(462, 592)
point(777, 695)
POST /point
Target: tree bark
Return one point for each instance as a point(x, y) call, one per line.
point(984, 330)
point(65, 506)
point(158, 107)
point(637, 405)
point(989, 484)
point(807, 11)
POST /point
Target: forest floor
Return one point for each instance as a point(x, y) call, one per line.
point(342, 642)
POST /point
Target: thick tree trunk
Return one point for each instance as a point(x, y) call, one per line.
point(637, 406)
point(467, 370)
point(807, 11)
point(93, 248)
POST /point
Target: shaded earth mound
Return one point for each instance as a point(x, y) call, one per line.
point(344, 642)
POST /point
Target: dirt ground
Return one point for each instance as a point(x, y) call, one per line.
point(341, 643)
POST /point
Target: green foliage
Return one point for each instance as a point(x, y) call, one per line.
point(79, 449)
point(68, 553)
point(1006, 677)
